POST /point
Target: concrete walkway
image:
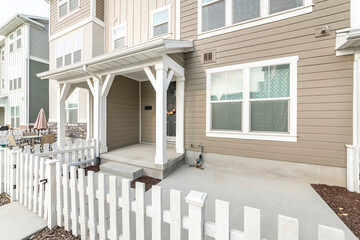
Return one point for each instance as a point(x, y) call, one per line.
point(18, 222)
point(271, 195)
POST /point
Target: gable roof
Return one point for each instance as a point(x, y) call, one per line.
point(19, 19)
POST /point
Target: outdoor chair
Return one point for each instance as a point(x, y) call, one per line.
point(13, 143)
point(46, 138)
point(30, 134)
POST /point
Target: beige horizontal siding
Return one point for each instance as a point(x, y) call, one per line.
point(324, 83)
point(100, 9)
point(123, 113)
point(148, 117)
point(57, 26)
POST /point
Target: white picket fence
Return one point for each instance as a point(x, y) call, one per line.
point(21, 171)
point(92, 211)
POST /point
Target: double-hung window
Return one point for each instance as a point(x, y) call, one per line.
point(119, 36)
point(2, 55)
point(253, 101)
point(11, 43)
point(2, 84)
point(214, 14)
point(67, 6)
point(161, 21)
point(18, 38)
point(71, 113)
point(15, 117)
point(69, 51)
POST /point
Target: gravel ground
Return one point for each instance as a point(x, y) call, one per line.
point(56, 233)
point(149, 182)
point(4, 199)
point(344, 203)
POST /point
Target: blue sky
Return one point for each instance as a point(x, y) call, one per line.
point(32, 7)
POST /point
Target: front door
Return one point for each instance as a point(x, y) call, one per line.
point(171, 112)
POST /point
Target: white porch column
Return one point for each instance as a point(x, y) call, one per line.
point(62, 92)
point(161, 97)
point(97, 121)
point(180, 115)
point(89, 125)
point(103, 108)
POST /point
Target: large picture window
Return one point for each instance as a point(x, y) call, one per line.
point(253, 101)
point(67, 6)
point(15, 117)
point(69, 51)
point(160, 21)
point(215, 14)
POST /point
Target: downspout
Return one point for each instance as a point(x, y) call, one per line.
point(85, 67)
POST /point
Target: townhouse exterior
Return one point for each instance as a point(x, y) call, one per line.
point(267, 86)
point(24, 53)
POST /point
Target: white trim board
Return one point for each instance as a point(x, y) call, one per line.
point(245, 132)
point(307, 8)
point(77, 25)
point(39, 59)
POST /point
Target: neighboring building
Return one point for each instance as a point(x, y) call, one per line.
point(24, 53)
point(258, 83)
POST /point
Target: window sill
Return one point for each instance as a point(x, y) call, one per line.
point(68, 14)
point(258, 21)
point(253, 136)
point(163, 36)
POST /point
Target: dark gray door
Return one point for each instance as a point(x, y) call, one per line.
point(171, 111)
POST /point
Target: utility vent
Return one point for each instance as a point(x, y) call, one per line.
point(208, 56)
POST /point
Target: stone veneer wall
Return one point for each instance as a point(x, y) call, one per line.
point(72, 131)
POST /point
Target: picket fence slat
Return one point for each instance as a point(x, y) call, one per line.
point(71, 199)
point(252, 230)
point(74, 201)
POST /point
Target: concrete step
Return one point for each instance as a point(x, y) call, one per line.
point(123, 170)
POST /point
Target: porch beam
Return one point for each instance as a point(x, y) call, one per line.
point(71, 90)
point(91, 87)
point(151, 76)
point(107, 85)
point(169, 77)
point(179, 70)
point(62, 93)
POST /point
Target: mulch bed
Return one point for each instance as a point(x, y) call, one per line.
point(92, 168)
point(4, 199)
point(344, 203)
point(56, 233)
point(149, 182)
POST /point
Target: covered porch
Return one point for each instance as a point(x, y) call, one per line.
point(128, 102)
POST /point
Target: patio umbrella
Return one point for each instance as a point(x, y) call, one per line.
point(41, 123)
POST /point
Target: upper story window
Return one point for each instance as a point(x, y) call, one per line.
point(160, 21)
point(69, 51)
point(253, 101)
point(3, 55)
point(14, 84)
point(18, 38)
point(119, 36)
point(214, 14)
point(67, 6)
point(3, 84)
point(15, 117)
point(11, 43)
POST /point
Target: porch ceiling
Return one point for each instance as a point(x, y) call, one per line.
point(119, 61)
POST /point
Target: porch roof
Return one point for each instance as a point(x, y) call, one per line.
point(118, 60)
point(348, 38)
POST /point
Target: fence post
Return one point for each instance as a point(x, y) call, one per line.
point(12, 175)
point(326, 233)
point(252, 228)
point(2, 159)
point(126, 208)
point(222, 220)
point(288, 228)
point(156, 212)
point(196, 201)
point(51, 192)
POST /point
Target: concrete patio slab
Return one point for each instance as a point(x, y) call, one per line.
point(272, 196)
point(18, 222)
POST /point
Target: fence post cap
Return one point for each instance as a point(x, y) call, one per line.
point(196, 198)
point(51, 162)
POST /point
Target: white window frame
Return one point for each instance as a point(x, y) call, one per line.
point(11, 42)
point(67, 113)
point(2, 83)
point(113, 34)
point(168, 8)
point(2, 55)
point(246, 133)
point(265, 17)
point(62, 42)
point(18, 37)
point(68, 13)
point(11, 116)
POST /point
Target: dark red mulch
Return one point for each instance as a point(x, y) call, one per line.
point(4, 199)
point(92, 168)
point(344, 203)
point(149, 182)
point(56, 233)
